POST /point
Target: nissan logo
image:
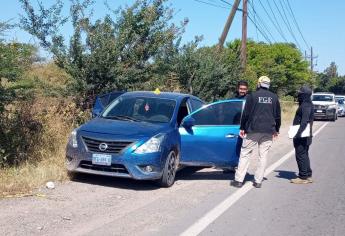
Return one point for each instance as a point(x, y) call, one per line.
point(103, 147)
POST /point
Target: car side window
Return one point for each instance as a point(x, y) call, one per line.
point(223, 113)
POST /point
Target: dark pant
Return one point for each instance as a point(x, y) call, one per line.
point(302, 156)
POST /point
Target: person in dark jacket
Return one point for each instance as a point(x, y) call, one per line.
point(241, 93)
point(242, 89)
point(260, 123)
point(303, 116)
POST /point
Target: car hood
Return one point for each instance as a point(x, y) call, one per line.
point(123, 129)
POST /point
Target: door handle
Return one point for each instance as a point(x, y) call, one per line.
point(231, 136)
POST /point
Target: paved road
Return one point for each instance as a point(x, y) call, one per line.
point(110, 206)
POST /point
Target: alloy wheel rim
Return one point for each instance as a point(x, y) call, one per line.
point(171, 167)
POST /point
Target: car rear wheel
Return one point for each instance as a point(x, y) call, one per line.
point(169, 171)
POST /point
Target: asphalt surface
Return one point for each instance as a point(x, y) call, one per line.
point(95, 205)
point(281, 208)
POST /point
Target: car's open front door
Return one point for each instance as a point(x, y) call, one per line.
point(209, 136)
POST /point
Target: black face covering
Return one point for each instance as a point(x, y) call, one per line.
point(303, 97)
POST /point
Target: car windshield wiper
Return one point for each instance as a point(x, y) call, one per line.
point(121, 117)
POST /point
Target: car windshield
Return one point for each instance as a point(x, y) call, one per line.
point(136, 109)
point(322, 98)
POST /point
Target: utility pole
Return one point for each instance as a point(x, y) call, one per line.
point(311, 60)
point(228, 24)
point(311, 57)
point(312, 64)
point(244, 35)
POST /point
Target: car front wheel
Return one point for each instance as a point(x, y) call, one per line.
point(169, 171)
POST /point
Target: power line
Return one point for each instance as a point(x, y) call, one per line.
point(296, 24)
point(275, 24)
point(265, 27)
point(287, 25)
point(274, 16)
point(212, 4)
point(287, 19)
point(226, 2)
point(256, 30)
point(260, 31)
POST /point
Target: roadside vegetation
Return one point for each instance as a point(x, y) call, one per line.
point(132, 48)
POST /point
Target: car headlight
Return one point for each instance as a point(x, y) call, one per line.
point(73, 139)
point(331, 106)
point(151, 145)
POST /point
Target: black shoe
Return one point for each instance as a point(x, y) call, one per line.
point(257, 185)
point(236, 184)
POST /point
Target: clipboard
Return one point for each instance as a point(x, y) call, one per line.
point(294, 128)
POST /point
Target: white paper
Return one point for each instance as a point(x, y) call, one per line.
point(294, 128)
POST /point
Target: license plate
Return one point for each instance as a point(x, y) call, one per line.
point(319, 111)
point(101, 159)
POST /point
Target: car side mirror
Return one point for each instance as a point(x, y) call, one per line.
point(188, 122)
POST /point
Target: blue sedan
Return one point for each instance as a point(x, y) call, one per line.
point(148, 135)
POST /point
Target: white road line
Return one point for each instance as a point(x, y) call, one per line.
point(217, 211)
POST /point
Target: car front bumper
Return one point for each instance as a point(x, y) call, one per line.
point(324, 113)
point(125, 165)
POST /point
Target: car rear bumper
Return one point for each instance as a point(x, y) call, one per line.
point(123, 165)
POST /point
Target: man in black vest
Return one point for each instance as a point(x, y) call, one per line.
point(260, 123)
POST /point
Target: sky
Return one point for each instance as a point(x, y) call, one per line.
point(312, 23)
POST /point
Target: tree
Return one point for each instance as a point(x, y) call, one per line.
point(15, 58)
point(330, 81)
point(282, 62)
point(332, 70)
point(116, 52)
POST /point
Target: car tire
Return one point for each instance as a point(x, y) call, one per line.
point(334, 117)
point(169, 171)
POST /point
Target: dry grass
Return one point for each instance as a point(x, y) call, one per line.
point(46, 162)
point(288, 112)
point(16, 181)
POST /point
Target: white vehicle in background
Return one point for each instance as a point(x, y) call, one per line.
point(325, 106)
point(340, 99)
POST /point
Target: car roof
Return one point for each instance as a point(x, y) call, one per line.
point(167, 95)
